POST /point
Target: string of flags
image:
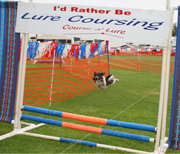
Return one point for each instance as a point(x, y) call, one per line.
point(36, 50)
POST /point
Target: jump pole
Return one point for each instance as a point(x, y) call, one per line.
point(89, 119)
point(92, 144)
point(88, 128)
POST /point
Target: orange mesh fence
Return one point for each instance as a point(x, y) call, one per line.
point(154, 66)
point(74, 77)
point(125, 64)
point(133, 64)
point(45, 85)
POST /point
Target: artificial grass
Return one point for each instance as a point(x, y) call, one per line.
point(135, 98)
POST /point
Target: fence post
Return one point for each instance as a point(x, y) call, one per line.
point(139, 65)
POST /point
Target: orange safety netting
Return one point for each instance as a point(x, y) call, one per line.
point(154, 66)
point(137, 65)
point(48, 84)
point(74, 77)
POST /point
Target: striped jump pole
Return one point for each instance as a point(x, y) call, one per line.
point(90, 119)
point(88, 128)
point(82, 142)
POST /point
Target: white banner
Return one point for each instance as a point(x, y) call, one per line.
point(106, 23)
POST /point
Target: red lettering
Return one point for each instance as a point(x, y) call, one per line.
point(74, 9)
point(82, 10)
point(123, 32)
point(93, 10)
point(115, 31)
point(107, 11)
point(119, 12)
point(63, 9)
point(65, 27)
point(88, 10)
point(107, 30)
point(127, 13)
point(101, 11)
point(60, 8)
point(68, 27)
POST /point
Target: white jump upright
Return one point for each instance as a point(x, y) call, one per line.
point(162, 27)
point(161, 146)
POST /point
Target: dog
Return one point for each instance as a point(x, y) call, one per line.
point(102, 82)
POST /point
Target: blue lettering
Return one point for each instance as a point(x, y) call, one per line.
point(46, 17)
point(120, 22)
point(56, 18)
point(99, 22)
point(130, 22)
point(110, 21)
point(34, 17)
point(79, 17)
point(152, 26)
point(141, 22)
point(87, 20)
point(23, 17)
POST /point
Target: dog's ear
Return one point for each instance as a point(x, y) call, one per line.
point(94, 73)
point(100, 74)
point(100, 77)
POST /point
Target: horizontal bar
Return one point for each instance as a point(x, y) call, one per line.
point(88, 128)
point(85, 143)
point(90, 119)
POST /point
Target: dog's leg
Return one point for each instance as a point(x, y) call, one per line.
point(110, 82)
point(110, 77)
point(104, 80)
point(96, 84)
point(115, 80)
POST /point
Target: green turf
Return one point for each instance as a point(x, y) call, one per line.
point(135, 98)
point(28, 65)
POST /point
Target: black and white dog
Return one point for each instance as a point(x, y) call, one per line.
point(102, 82)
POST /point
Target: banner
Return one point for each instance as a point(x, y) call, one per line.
point(106, 23)
point(9, 53)
point(174, 133)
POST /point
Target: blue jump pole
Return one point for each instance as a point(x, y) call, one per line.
point(174, 135)
point(90, 119)
point(88, 128)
